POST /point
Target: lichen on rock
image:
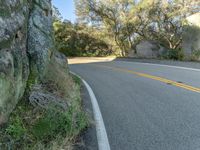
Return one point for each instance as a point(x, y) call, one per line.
point(14, 68)
point(40, 40)
point(26, 47)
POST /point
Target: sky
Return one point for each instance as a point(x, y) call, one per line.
point(66, 8)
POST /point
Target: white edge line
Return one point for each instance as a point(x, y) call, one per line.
point(163, 65)
point(102, 138)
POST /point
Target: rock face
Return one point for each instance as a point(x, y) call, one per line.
point(26, 45)
point(149, 49)
point(40, 41)
point(14, 66)
point(191, 37)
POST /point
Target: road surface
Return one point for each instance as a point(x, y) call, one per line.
point(144, 106)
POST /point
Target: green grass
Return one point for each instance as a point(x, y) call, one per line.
point(31, 128)
point(76, 79)
point(16, 129)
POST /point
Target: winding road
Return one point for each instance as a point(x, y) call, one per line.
point(145, 106)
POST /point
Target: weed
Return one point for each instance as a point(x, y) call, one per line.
point(76, 79)
point(16, 128)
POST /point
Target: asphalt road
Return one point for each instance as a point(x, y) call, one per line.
point(146, 107)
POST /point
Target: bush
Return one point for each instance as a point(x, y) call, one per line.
point(79, 40)
point(196, 55)
point(174, 54)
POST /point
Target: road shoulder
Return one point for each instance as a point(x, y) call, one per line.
point(188, 64)
point(88, 139)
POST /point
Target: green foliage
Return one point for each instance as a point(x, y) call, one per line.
point(62, 123)
point(32, 79)
point(79, 40)
point(76, 79)
point(36, 128)
point(174, 54)
point(124, 23)
point(56, 14)
point(16, 128)
point(196, 55)
point(81, 122)
point(43, 129)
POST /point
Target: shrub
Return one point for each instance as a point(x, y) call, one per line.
point(196, 55)
point(174, 54)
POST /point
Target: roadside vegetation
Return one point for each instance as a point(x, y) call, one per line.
point(116, 27)
point(34, 127)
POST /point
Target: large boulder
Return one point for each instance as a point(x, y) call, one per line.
point(26, 46)
point(40, 39)
point(149, 49)
point(191, 37)
point(14, 66)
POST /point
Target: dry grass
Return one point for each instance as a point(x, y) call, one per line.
point(58, 79)
point(21, 131)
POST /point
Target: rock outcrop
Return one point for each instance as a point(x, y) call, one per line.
point(26, 46)
point(149, 49)
point(40, 40)
point(14, 63)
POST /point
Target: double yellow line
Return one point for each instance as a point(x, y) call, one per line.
point(167, 81)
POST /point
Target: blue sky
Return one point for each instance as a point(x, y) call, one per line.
point(66, 8)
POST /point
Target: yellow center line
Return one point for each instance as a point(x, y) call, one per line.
point(164, 80)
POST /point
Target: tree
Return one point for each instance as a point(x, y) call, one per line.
point(110, 15)
point(167, 20)
point(79, 40)
point(124, 23)
point(56, 14)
